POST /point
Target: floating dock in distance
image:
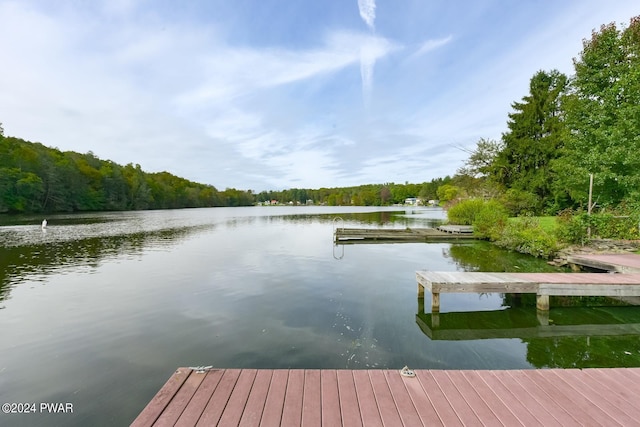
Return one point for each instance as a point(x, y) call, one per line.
point(387, 235)
point(619, 263)
point(541, 284)
point(252, 397)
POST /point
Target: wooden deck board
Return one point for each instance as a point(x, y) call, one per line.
point(523, 397)
point(251, 397)
point(366, 400)
point(509, 410)
point(384, 399)
point(584, 402)
point(463, 410)
point(292, 411)
point(312, 399)
point(349, 407)
point(441, 403)
point(272, 413)
point(551, 401)
point(199, 401)
point(155, 408)
point(405, 407)
point(214, 409)
point(257, 398)
point(473, 396)
point(331, 412)
point(181, 399)
point(605, 402)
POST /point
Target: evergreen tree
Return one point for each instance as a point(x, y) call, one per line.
point(535, 136)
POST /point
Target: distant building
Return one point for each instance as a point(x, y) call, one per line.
point(411, 201)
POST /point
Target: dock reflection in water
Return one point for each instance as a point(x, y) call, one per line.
point(566, 337)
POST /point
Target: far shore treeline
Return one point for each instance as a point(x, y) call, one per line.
point(566, 129)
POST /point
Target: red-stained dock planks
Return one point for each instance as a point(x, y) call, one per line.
point(617, 262)
point(229, 397)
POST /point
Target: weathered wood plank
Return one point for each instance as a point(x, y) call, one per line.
point(541, 284)
point(365, 235)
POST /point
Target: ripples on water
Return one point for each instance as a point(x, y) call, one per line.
point(107, 305)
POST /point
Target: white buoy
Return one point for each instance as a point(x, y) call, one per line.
point(44, 224)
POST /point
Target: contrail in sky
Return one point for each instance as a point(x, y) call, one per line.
point(367, 60)
point(368, 12)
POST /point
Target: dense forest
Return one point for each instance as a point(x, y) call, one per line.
point(35, 178)
point(564, 130)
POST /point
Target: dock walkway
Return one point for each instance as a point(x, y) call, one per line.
point(541, 284)
point(385, 235)
point(619, 262)
point(250, 397)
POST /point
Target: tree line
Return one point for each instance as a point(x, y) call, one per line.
point(568, 128)
point(36, 178)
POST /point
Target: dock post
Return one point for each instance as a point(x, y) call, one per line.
point(420, 290)
point(435, 302)
point(542, 302)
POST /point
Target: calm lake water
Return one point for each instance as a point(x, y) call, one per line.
point(100, 309)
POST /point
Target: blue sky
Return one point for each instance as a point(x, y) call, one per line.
point(274, 94)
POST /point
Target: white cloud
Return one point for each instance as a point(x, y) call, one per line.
point(223, 103)
point(431, 44)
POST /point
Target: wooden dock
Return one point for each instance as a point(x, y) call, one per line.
point(619, 263)
point(387, 235)
point(541, 284)
point(250, 397)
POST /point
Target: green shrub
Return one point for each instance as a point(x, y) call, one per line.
point(464, 212)
point(490, 221)
point(573, 226)
point(518, 202)
point(528, 237)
